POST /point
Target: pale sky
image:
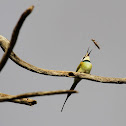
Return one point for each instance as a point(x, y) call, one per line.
point(56, 36)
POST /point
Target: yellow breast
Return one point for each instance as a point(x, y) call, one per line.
point(85, 67)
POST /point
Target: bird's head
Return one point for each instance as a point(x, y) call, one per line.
point(86, 57)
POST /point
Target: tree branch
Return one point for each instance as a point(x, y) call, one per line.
point(26, 101)
point(33, 94)
point(4, 44)
point(14, 37)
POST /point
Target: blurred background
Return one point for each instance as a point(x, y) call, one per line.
point(56, 36)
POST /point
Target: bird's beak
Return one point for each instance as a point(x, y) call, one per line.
point(89, 53)
point(88, 50)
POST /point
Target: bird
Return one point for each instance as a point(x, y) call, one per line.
point(85, 66)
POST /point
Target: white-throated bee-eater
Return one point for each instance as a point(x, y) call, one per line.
point(85, 66)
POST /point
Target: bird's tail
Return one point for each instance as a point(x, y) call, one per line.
point(65, 101)
point(76, 81)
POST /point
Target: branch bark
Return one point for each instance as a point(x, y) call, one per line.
point(14, 37)
point(15, 98)
point(4, 43)
point(25, 101)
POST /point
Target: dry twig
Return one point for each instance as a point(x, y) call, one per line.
point(26, 101)
point(14, 37)
point(33, 94)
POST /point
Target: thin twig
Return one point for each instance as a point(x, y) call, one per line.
point(14, 37)
point(33, 94)
point(25, 101)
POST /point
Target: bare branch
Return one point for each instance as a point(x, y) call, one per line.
point(33, 94)
point(14, 37)
point(26, 101)
point(4, 44)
